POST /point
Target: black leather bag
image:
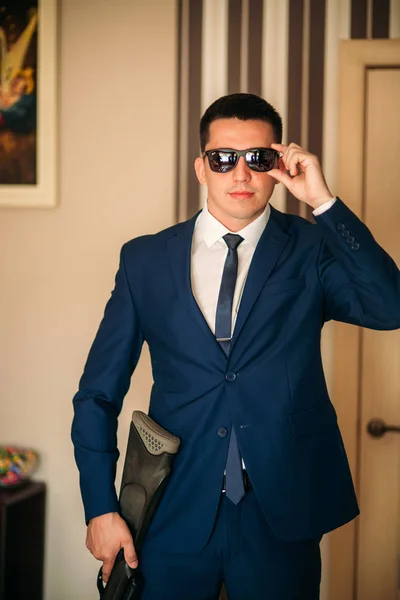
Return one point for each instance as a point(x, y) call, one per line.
point(148, 463)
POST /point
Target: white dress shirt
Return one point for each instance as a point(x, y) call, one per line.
point(209, 252)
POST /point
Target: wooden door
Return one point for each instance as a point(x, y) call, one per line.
point(365, 554)
point(379, 457)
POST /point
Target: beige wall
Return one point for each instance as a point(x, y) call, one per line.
point(117, 96)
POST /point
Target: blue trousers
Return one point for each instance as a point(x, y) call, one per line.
point(243, 553)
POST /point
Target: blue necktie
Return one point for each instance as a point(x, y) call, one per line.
point(223, 328)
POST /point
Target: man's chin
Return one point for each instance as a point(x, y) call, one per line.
point(247, 212)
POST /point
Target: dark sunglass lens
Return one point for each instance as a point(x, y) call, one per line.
point(261, 160)
point(222, 162)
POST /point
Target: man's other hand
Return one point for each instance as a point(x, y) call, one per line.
point(106, 535)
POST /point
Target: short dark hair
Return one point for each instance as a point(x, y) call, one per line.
point(240, 106)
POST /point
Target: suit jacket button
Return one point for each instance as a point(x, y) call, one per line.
point(350, 239)
point(222, 432)
point(345, 233)
point(355, 246)
point(230, 376)
point(341, 226)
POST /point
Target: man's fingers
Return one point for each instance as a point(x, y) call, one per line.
point(106, 570)
point(291, 158)
point(130, 555)
point(296, 160)
point(281, 177)
point(279, 147)
point(292, 155)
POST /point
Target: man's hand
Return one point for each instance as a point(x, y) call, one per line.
point(305, 179)
point(106, 535)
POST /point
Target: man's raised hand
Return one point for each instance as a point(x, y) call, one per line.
point(301, 173)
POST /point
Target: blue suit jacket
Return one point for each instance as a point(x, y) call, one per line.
point(272, 387)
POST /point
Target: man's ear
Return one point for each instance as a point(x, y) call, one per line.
point(200, 168)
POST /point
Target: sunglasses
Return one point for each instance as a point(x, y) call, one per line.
point(223, 160)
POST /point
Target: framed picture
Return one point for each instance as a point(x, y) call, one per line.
point(28, 111)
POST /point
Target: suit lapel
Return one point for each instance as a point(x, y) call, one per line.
point(179, 248)
point(269, 248)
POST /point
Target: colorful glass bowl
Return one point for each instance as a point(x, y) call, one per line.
point(16, 465)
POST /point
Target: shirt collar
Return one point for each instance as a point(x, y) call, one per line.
point(212, 230)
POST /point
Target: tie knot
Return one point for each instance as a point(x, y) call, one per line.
point(232, 240)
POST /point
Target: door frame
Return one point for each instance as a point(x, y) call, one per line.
point(355, 58)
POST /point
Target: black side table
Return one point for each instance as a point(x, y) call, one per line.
point(22, 528)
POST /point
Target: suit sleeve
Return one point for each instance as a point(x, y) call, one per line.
point(103, 386)
point(361, 281)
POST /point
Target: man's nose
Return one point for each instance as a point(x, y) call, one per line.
point(242, 172)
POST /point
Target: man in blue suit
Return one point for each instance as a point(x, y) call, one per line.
point(231, 304)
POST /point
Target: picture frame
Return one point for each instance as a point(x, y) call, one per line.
point(39, 189)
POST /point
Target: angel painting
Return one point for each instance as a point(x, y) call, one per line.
point(18, 67)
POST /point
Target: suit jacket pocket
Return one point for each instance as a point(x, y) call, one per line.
point(286, 285)
point(313, 420)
